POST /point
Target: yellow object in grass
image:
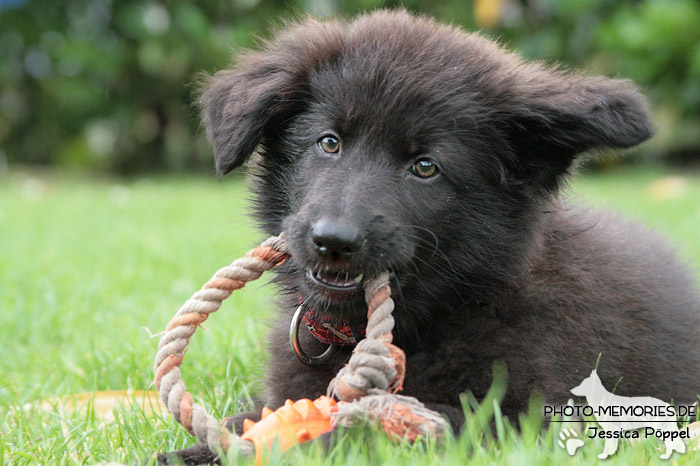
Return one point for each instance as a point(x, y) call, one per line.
point(102, 403)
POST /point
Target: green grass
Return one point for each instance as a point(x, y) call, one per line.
point(89, 268)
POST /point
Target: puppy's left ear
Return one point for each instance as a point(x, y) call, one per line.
point(239, 106)
point(554, 116)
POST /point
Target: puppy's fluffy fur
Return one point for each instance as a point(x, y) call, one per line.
point(489, 265)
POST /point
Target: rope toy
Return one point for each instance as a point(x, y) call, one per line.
point(366, 386)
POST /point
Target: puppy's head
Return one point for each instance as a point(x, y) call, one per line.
point(393, 142)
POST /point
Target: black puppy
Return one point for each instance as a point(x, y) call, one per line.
point(395, 143)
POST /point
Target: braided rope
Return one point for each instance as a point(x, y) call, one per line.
point(375, 367)
point(400, 416)
point(194, 312)
point(375, 362)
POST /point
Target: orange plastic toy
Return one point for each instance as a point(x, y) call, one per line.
point(292, 424)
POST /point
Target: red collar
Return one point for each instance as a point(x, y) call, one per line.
point(330, 330)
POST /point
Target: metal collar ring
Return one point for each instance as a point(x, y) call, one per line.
point(296, 345)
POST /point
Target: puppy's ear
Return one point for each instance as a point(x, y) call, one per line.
point(246, 104)
point(238, 106)
point(555, 116)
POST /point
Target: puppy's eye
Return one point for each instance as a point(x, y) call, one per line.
point(329, 144)
point(424, 168)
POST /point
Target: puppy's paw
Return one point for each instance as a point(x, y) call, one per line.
point(235, 423)
point(192, 456)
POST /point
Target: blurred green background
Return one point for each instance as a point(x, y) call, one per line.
point(108, 84)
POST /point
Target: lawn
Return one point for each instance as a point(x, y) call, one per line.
point(91, 267)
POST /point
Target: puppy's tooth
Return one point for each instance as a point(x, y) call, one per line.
point(358, 279)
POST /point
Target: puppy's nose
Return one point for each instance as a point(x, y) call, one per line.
point(336, 238)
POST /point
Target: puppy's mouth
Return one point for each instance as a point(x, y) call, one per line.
point(336, 281)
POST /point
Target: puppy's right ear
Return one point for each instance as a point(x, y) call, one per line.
point(238, 107)
point(255, 99)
